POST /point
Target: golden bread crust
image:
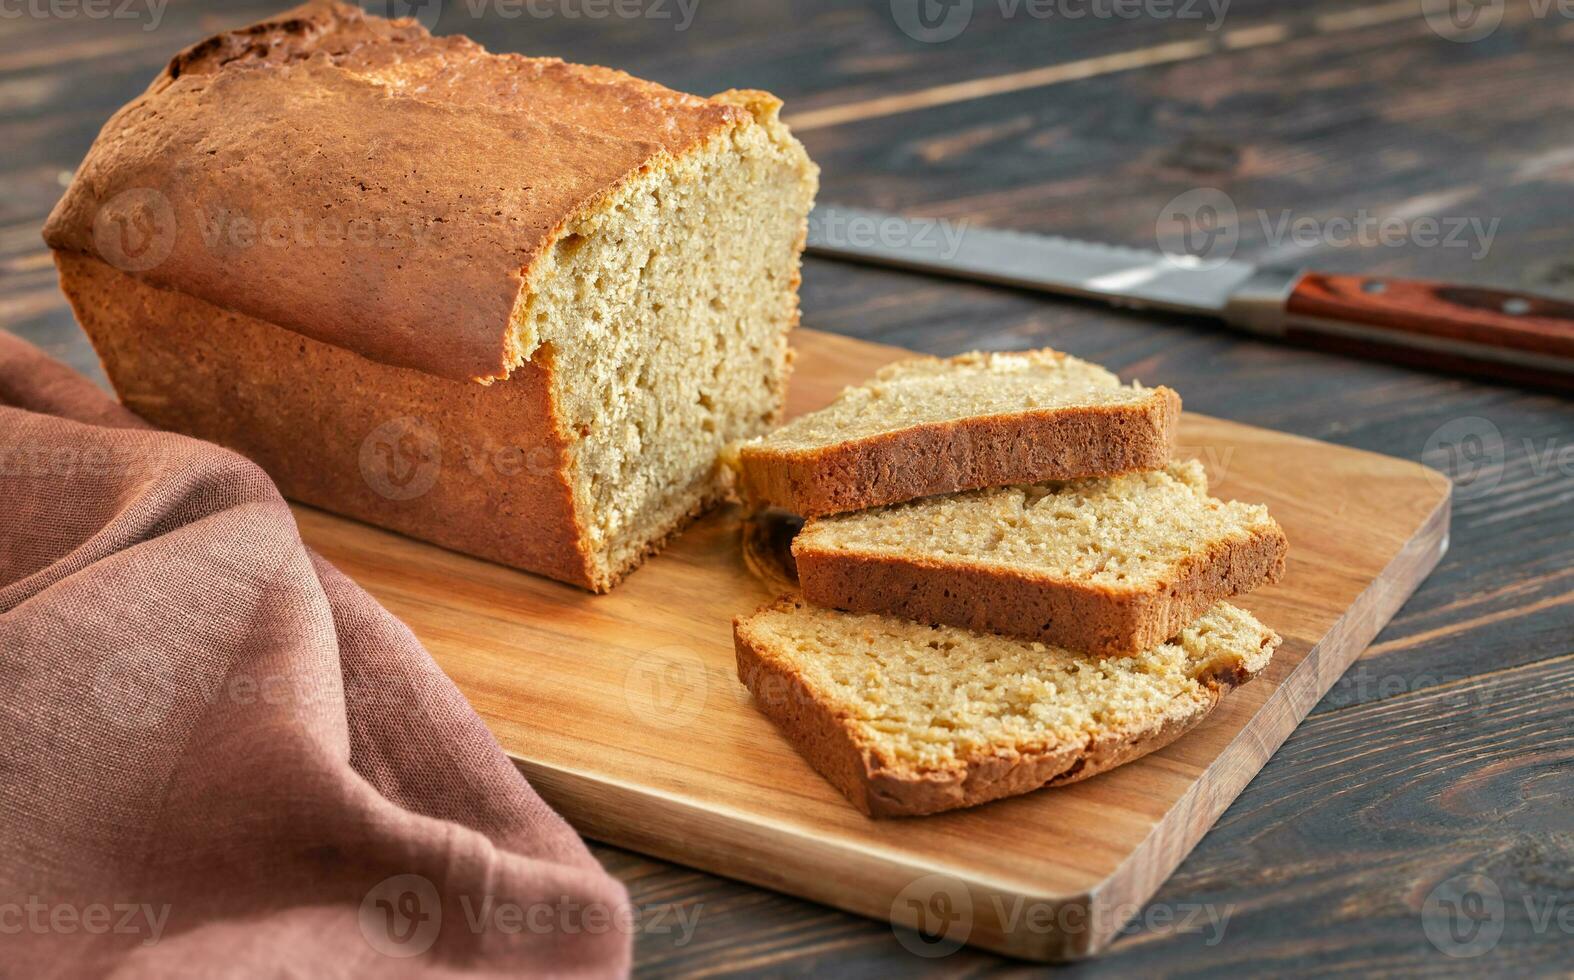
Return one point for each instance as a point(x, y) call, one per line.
point(475, 468)
point(1085, 616)
point(826, 740)
point(967, 454)
point(267, 142)
point(340, 223)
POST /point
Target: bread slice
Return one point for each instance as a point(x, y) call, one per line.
point(1104, 566)
point(927, 426)
point(907, 719)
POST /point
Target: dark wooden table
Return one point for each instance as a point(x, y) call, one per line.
point(1449, 749)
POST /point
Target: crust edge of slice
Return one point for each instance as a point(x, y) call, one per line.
point(815, 730)
point(964, 454)
point(1082, 616)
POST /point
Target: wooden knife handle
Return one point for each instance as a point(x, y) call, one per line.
point(1489, 332)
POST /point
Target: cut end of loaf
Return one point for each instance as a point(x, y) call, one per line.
point(665, 310)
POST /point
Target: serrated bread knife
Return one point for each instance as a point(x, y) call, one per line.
point(1512, 336)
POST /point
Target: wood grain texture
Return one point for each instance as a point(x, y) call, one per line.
point(1386, 789)
point(1318, 868)
point(623, 711)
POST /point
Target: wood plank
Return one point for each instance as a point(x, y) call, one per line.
point(624, 711)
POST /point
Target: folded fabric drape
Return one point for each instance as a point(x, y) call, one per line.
point(219, 756)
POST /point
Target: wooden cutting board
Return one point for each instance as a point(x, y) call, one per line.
point(626, 714)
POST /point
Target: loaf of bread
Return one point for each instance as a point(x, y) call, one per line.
point(928, 426)
point(509, 305)
point(1103, 566)
point(907, 719)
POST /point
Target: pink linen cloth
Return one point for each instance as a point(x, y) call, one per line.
point(220, 757)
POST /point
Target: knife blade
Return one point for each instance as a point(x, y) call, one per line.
point(1487, 332)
